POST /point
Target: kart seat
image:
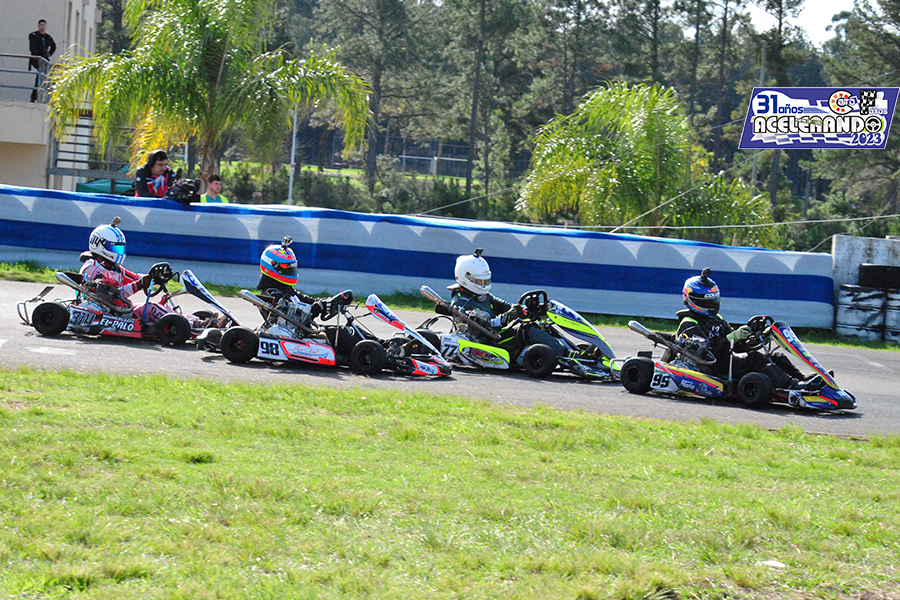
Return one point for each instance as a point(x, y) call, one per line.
point(76, 277)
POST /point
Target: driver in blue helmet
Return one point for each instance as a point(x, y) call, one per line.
point(701, 319)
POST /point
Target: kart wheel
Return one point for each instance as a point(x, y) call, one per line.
point(239, 344)
point(173, 329)
point(538, 360)
point(433, 338)
point(636, 375)
point(368, 357)
point(755, 390)
point(50, 318)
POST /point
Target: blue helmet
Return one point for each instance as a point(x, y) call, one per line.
point(701, 294)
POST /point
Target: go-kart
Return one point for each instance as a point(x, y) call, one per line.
point(470, 343)
point(289, 333)
point(98, 309)
point(684, 366)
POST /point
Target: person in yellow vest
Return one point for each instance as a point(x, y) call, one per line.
point(213, 187)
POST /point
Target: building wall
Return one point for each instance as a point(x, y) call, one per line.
point(24, 132)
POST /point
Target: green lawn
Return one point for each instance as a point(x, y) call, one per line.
point(150, 487)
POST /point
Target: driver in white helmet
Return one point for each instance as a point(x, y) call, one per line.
point(471, 294)
point(103, 264)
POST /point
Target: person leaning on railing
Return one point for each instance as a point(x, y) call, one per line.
point(40, 45)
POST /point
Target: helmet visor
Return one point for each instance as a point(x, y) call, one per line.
point(710, 304)
point(482, 281)
point(286, 269)
point(117, 247)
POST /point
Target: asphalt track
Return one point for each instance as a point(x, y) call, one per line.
point(872, 375)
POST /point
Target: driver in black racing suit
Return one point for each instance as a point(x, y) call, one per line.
point(471, 295)
point(701, 319)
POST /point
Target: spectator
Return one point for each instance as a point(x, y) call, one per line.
point(40, 44)
point(213, 187)
point(155, 178)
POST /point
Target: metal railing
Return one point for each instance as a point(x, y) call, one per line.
point(16, 75)
point(76, 153)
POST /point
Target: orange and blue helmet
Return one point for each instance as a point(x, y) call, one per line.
point(701, 294)
point(280, 263)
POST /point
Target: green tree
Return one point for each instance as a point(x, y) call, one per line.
point(625, 157)
point(199, 68)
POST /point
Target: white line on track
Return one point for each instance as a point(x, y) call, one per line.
point(49, 350)
point(875, 364)
point(2, 342)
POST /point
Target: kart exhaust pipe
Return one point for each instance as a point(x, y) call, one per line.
point(637, 327)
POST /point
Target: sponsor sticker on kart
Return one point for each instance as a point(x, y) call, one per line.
point(111, 323)
point(481, 356)
point(793, 118)
point(424, 368)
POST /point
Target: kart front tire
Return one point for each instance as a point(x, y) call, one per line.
point(538, 361)
point(636, 375)
point(50, 318)
point(755, 390)
point(173, 329)
point(368, 357)
point(239, 344)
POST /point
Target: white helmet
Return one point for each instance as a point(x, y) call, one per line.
point(108, 241)
point(473, 273)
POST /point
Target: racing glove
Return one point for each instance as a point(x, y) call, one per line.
point(146, 281)
point(318, 308)
point(741, 334)
point(516, 312)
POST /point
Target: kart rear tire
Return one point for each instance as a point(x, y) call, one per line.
point(50, 318)
point(538, 361)
point(368, 357)
point(173, 329)
point(433, 338)
point(239, 344)
point(636, 374)
point(755, 390)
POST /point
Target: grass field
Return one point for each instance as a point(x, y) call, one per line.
point(150, 487)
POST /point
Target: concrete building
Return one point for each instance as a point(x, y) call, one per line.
point(26, 141)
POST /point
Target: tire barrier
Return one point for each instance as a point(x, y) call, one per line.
point(374, 253)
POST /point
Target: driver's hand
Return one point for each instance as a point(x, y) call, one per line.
point(516, 312)
point(146, 282)
point(741, 334)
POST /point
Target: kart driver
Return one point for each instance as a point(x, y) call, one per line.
point(471, 295)
point(278, 276)
point(701, 319)
point(103, 264)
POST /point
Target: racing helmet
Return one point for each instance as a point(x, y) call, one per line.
point(280, 263)
point(701, 294)
point(108, 242)
point(473, 273)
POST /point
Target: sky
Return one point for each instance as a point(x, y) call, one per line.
point(814, 18)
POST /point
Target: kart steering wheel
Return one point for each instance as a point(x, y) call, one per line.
point(759, 325)
point(160, 273)
point(535, 303)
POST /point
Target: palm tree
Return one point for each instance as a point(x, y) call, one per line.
point(625, 157)
point(199, 69)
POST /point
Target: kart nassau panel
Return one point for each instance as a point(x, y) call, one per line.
point(272, 348)
point(828, 398)
point(96, 323)
point(589, 271)
point(196, 288)
point(679, 380)
point(787, 339)
point(577, 326)
point(424, 368)
point(381, 310)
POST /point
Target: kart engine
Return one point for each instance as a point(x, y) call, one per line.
point(297, 311)
point(696, 346)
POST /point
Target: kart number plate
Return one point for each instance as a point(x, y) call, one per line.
point(660, 380)
point(80, 318)
point(270, 349)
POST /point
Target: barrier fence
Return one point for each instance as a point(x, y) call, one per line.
point(589, 271)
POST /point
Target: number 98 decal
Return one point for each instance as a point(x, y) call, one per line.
point(269, 348)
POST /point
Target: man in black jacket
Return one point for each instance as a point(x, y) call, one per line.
point(40, 44)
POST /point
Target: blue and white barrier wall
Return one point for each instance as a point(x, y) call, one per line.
point(591, 272)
